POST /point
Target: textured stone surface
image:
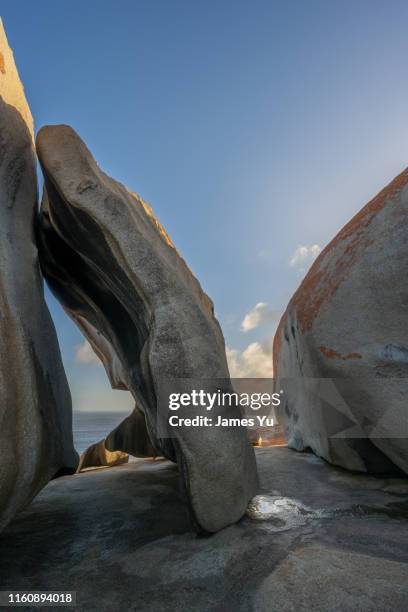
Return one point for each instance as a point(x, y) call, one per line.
point(341, 349)
point(35, 403)
point(336, 541)
point(111, 263)
point(97, 455)
point(131, 436)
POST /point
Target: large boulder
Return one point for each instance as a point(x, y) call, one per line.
point(341, 349)
point(111, 264)
point(35, 402)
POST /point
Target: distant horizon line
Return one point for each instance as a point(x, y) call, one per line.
point(100, 411)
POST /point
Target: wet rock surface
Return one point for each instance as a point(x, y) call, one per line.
point(35, 402)
point(341, 349)
point(333, 541)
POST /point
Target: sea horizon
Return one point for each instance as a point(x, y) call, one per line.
point(90, 426)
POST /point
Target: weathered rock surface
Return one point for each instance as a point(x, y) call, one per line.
point(111, 264)
point(35, 403)
point(97, 455)
point(341, 349)
point(334, 541)
point(131, 436)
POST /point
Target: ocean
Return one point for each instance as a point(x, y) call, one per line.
point(90, 427)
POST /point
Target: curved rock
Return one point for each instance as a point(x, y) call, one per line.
point(131, 436)
point(341, 349)
point(35, 402)
point(97, 455)
point(101, 347)
point(111, 263)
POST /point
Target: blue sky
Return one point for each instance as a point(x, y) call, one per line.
point(253, 129)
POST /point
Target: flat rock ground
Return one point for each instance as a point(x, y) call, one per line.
point(121, 539)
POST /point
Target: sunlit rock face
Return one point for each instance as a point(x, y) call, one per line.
point(35, 403)
point(111, 263)
point(97, 455)
point(130, 437)
point(341, 349)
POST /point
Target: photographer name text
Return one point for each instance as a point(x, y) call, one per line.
point(222, 399)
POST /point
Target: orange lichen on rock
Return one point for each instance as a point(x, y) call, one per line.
point(277, 342)
point(331, 354)
point(321, 282)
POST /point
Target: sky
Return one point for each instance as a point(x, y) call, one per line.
point(256, 130)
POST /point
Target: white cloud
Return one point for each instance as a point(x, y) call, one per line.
point(304, 255)
point(260, 314)
point(253, 362)
point(85, 354)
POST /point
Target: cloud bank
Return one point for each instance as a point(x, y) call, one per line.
point(255, 361)
point(304, 255)
point(260, 314)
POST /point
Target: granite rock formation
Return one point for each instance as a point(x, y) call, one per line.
point(322, 540)
point(35, 402)
point(97, 455)
point(112, 265)
point(131, 436)
point(341, 349)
